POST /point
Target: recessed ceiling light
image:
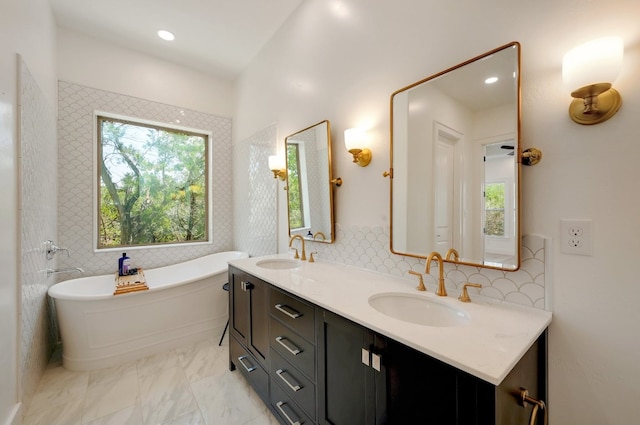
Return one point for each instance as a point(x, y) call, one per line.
point(166, 35)
point(491, 80)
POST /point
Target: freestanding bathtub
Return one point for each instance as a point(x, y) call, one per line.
point(184, 303)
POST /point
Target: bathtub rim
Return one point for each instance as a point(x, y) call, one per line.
point(105, 283)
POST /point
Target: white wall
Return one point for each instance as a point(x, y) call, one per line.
point(26, 28)
point(323, 66)
point(90, 62)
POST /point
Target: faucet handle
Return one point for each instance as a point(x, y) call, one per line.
point(420, 286)
point(311, 259)
point(296, 256)
point(464, 296)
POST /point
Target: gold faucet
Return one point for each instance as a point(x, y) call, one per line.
point(303, 257)
point(442, 291)
point(452, 254)
point(319, 234)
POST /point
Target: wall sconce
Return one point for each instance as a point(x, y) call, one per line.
point(277, 167)
point(355, 140)
point(589, 70)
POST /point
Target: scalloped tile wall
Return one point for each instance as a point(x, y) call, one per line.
point(76, 176)
point(255, 203)
point(368, 247)
point(37, 128)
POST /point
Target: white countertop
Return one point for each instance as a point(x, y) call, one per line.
point(496, 337)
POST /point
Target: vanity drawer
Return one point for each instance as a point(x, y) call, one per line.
point(297, 386)
point(286, 409)
point(296, 314)
point(295, 349)
point(250, 368)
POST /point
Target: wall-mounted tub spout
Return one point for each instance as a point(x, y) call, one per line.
point(70, 270)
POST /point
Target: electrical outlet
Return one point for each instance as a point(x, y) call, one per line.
point(575, 237)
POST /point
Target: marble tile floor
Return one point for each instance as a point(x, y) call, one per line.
point(190, 385)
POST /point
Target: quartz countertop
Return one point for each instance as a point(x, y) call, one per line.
point(488, 346)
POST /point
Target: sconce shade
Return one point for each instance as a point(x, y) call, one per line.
point(598, 61)
point(355, 140)
point(588, 71)
point(275, 163)
point(277, 166)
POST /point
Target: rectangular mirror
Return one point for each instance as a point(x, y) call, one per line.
point(455, 162)
point(309, 191)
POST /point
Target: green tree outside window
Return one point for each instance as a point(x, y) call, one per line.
point(152, 184)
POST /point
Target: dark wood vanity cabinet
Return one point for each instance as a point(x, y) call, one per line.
point(311, 366)
point(369, 379)
point(249, 329)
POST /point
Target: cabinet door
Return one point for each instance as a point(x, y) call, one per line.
point(258, 341)
point(419, 389)
point(238, 305)
point(249, 313)
point(347, 393)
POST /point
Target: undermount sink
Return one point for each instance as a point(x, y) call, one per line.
point(278, 263)
point(417, 309)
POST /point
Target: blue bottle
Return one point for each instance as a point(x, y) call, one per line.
point(123, 265)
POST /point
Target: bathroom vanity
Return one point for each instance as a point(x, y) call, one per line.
point(309, 340)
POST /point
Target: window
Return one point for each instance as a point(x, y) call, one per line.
point(494, 202)
point(152, 184)
point(294, 187)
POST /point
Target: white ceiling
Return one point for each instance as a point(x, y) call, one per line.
point(219, 37)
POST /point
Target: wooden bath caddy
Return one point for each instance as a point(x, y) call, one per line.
point(130, 283)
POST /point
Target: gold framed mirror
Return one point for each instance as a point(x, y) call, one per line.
point(309, 187)
point(455, 163)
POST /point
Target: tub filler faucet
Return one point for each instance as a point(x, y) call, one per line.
point(69, 270)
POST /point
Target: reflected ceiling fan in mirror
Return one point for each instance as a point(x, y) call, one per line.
point(509, 148)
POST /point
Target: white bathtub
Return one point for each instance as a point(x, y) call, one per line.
point(184, 303)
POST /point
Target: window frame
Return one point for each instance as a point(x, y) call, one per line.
point(97, 151)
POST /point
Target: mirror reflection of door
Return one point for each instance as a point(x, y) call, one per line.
point(499, 202)
point(447, 204)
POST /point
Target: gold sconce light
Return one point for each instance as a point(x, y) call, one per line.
point(355, 140)
point(589, 70)
point(277, 167)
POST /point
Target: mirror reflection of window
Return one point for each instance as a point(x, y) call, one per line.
point(494, 223)
point(294, 189)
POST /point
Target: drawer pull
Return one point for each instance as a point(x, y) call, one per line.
point(376, 361)
point(295, 387)
point(288, 311)
point(281, 407)
point(295, 350)
point(241, 360)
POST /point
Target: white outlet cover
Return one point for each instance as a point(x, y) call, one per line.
point(576, 237)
